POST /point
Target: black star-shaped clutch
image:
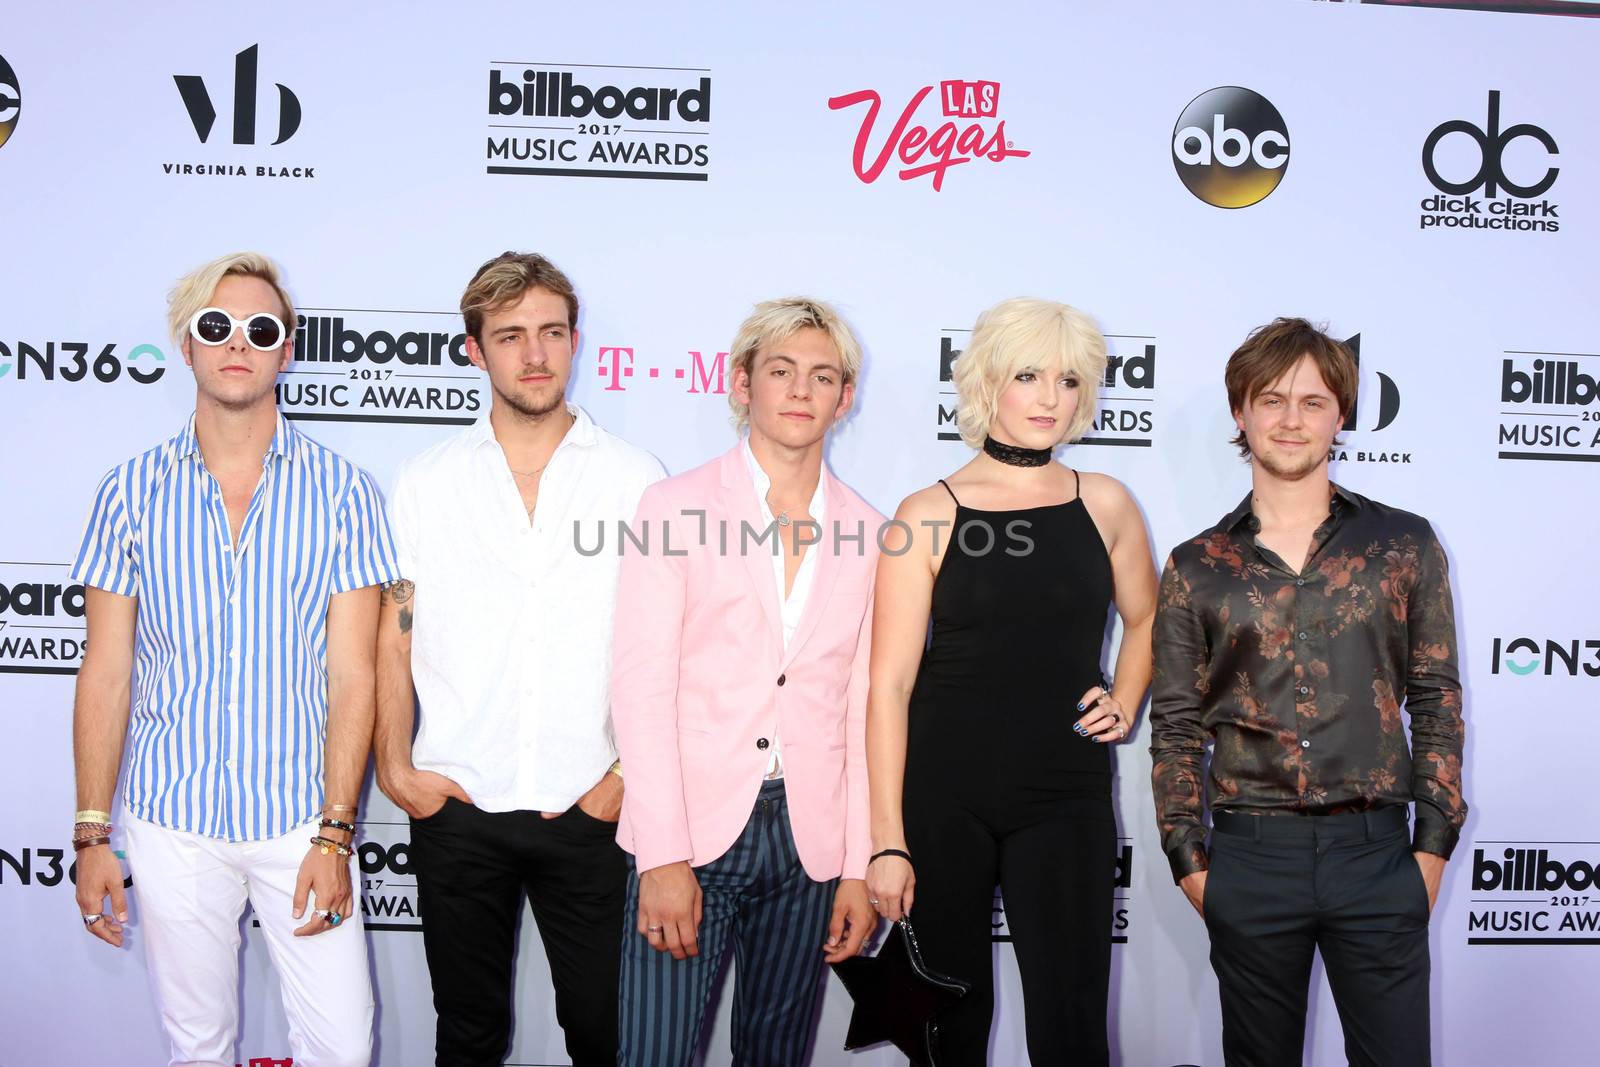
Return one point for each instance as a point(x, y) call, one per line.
point(897, 998)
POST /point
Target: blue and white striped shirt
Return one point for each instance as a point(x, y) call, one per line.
point(230, 699)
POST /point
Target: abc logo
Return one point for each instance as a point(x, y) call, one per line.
point(10, 100)
point(1230, 147)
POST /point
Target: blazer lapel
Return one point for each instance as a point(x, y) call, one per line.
point(744, 513)
point(828, 567)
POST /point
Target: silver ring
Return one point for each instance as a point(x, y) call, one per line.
point(873, 901)
point(1122, 731)
point(90, 920)
point(654, 929)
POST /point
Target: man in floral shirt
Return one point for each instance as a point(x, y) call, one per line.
point(1290, 634)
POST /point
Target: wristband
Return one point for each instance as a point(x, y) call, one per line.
point(92, 815)
point(889, 852)
point(90, 842)
point(327, 846)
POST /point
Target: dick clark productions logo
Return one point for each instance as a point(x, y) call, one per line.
point(1485, 148)
point(1230, 147)
point(963, 137)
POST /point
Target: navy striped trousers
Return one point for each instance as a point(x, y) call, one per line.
point(757, 895)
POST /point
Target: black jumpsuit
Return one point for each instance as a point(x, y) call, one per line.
point(1000, 789)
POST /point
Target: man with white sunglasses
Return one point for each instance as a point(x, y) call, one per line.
point(231, 581)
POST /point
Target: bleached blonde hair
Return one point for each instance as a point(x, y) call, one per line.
point(1026, 333)
point(775, 321)
point(193, 291)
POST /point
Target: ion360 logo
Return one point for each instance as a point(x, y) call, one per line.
point(1230, 147)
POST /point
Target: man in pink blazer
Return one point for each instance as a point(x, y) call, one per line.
point(738, 694)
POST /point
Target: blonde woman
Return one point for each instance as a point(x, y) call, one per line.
point(988, 745)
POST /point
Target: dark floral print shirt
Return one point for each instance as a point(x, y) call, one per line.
point(1299, 678)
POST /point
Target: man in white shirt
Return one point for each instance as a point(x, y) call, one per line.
point(501, 631)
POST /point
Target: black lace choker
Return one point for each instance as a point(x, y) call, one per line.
point(1015, 456)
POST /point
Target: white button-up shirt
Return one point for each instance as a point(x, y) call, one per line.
point(792, 607)
point(511, 644)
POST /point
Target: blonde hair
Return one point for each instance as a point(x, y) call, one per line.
point(194, 290)
point(775, 321)
point(1019, 333)
point(503, 280)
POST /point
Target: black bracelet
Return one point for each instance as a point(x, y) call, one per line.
point(335, 824)
point(889, 852)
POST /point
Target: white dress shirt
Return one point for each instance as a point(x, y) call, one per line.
point(792, 607)
point(511, 648)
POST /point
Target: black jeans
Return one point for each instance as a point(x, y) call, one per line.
point(1283, 886)
point(473, 868)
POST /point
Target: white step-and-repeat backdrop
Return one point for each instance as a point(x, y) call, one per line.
point(1423, 180)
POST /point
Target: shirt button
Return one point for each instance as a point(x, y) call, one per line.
point(1305, 744)
point(1299, 581)
point(1304, 690)
point(228, 764)
point(1304, 635)
point(761, 743)
point(782, 678)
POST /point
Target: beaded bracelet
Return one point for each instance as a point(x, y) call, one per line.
point(90, 829)
point(328, 846)
point(335, 824)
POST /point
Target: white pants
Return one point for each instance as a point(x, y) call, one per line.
point(189, 895)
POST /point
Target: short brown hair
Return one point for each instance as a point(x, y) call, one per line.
point(503, 280)
point(1269, 353)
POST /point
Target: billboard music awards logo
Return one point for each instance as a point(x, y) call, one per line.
point(1549, 406)
point(1534, 893)
point(1230, 147)
point(1460, 147)
point(354, 365)
point(77, 361)
point(1122, 882)
point(1125, 415)
point(200, 99)
point(41, 619)
point(1522, 656)
point(599, 121)
point(921, 149)
point(1382, 407)
point(694, 371)
point(388, 887)
point(10, 101)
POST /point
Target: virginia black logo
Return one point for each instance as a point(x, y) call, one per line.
point(1462, 210)
point(1388, 405)
point(202, 108)
point(599, 121)
point(203, 113)
point(1230, 147)
point(10, 100)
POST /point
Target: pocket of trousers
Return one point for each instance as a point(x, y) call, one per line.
point(1418, 885)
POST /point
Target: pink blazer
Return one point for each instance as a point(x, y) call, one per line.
point(701, 682)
